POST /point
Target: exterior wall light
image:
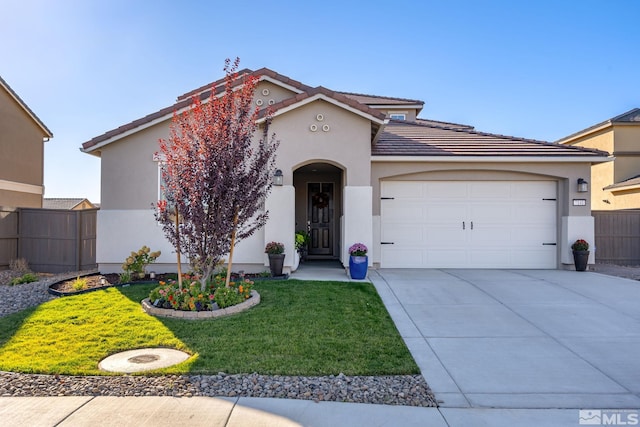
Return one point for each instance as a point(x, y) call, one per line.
point(152, 275)
point(583, 186)
point(278, 178)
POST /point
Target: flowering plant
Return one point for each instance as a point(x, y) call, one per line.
point(580, 245)
point(137, 262)
point(358, 249)
point(192, 298)
point(274, 248)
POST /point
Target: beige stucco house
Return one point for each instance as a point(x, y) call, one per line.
point(615, 185)
point(361, 168)
point(22, 136)
point(72, 204)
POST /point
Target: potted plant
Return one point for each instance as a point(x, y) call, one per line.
point(275, 250)
point(358, 261)
point(302, 240)
point(580, 254)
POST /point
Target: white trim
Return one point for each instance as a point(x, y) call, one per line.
point(625, 188)
point(496, 159)
point(279, 83)
point(21, 187)
point(324, 98)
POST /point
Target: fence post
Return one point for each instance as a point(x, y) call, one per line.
point(78, 239)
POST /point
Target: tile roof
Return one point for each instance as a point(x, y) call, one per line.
point(380, 100)
point(204, 92)
point(402, 138)
point(633, 181)
point(61, 203)
point(630, 117)
point(26, 108)
point(443, 124)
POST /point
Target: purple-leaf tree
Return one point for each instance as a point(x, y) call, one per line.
point(217, 171)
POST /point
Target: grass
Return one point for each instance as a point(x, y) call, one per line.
point(299, 328)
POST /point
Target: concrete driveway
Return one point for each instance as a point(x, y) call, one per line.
point(520, 338)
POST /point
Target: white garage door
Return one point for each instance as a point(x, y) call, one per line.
point(482, 224)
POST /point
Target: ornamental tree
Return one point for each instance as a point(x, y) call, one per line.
point(216, 174)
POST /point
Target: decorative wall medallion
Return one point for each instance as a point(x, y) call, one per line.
point(319, 117)
point(313, 128)
point(265, 92)
point(325, 128)
point(272, 101)
point(259, 102)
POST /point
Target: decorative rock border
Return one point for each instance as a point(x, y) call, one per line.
point(194, 315)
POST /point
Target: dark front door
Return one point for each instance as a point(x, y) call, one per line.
point(320, 218)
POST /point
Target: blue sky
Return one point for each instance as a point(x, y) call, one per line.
point(542, 69)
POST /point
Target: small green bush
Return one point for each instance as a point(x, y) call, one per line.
point(25, 278)
point(80, 283)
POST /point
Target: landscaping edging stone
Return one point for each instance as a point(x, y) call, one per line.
point(194, 315)
point(84, 291)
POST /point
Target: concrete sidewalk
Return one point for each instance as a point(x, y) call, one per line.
point(228, 412)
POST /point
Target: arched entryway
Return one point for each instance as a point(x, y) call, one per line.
point(319, 208)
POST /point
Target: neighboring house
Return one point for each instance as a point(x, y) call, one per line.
point(22, 136)
point(361, 168)
point(614, 185)
point(69, 204)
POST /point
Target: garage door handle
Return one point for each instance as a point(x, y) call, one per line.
point(472, 225)
point(463, 225)
point(386, 243)
point(549, 244)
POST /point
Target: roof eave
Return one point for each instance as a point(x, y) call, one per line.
point(496, 159)
point(25, 107)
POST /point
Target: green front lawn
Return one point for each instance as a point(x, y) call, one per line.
point(299, 328)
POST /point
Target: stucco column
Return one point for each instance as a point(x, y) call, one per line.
point(282, 222)
point(574, 228)
point(357, 221)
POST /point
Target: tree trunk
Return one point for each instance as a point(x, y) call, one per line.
point(233, 243)
point(178, 249)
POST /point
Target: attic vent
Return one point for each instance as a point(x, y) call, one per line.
point(259, 102)
point(313, 128)
point(272, 101)
point(265, 92)
point(319, 117)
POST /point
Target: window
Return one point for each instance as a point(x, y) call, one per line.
point(397, 116)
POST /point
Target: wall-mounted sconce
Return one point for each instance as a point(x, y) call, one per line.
point(152, 275)
point(583, 186)
point(278, 178)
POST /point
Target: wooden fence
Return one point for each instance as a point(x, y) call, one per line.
point(617, 237)
point(51, 240)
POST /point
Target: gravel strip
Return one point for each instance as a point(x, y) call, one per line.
point(17, 298)
point(407, 390)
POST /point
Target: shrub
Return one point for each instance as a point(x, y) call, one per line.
point(20, 265)
point(137, 262)
point(79, 284)
point(25, 278)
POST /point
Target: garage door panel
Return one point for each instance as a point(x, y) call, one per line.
point(511, 221)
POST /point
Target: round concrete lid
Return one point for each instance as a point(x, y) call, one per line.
point(143, 359)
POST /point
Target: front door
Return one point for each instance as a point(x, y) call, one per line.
point(320, 221)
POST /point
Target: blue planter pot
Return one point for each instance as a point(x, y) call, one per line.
point(358, 267)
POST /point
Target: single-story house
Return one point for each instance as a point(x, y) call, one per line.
point(615, 185)
point(71, 204)
point(363, 168)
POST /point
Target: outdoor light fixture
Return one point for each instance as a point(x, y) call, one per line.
point(103, 281)
point(583, 186)
point(152, 275)
point(277, 178)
